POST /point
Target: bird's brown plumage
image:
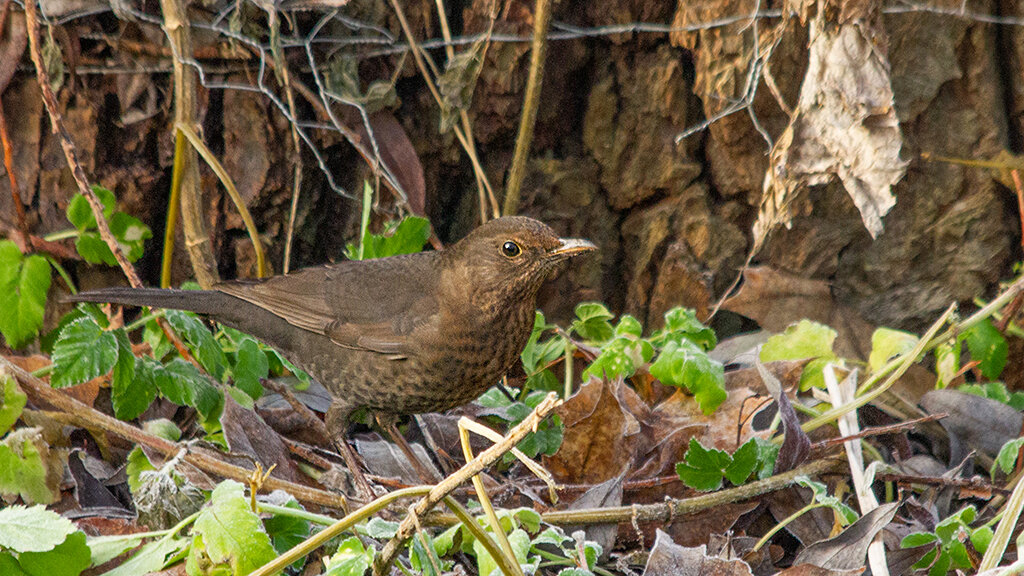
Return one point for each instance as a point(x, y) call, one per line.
point(402, 335)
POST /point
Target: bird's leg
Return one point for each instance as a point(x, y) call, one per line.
point(337, 427)
point(389, 423)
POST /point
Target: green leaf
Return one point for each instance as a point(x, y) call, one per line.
point(620, 357)
point(24, 283)
point(250, 367)
point(683, 363)
point(202, 343)
point(129, 395)
point(593, 322)
point(131, 235)
point(629, 326)
point(1007, 457)
point(684, 321)
point(886, 344)
point(82, 352)
point(947, 363)
point(182, 383)
point(23, 468)
point(11, 403)
point(702, 468)
point(228, 534)
point(381, 529)
point(69, 558)
point(351, 559)
point(988, 346)
point(744, 460)
point(138, 463)
point(106, 548)
point(151, 558)
point(287, 531)
point(34, 529)
point(805, 339)
point(981, 538)
point(79, 212)
point(918, 539)
point(93, 249)
point(405, 237)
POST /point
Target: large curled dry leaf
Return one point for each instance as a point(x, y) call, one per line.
point(844, 125)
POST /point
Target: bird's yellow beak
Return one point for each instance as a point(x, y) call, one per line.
point(571, 247)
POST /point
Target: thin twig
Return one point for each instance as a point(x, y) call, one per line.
point(531, 102)
point(204, 459)
point(19, 208)
point(473, 467)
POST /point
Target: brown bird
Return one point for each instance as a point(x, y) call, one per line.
point(401, 335)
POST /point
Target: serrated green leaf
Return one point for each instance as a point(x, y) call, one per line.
point(182, 383)
point(12, 401)
point(918, 539)
point(129, 395)
point(805, 339)
point(137, 463)
point(381, 529)
point(34, 529)
point(202, 343)
point(24, 283)
point(988, 346)
point(887, 343)
point(683, 363)
point(250, 367)
point(228, 534)
point(1007, 457)
point(287, 531)
point(69, 558)
point(82, 352)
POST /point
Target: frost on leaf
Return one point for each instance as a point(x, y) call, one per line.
point(845, 125)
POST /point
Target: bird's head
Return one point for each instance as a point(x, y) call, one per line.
point(512, 255)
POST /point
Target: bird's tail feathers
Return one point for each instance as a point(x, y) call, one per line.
point(201, 301)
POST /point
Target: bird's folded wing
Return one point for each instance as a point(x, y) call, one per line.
point(336, 302)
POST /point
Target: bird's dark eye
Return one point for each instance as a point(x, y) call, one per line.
point(511, 249)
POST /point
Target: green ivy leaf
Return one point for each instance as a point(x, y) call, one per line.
point(887, 343)
point(82, 352)
point(129, 395)
point(228, 535)
point(988, 346)
point(703, 468)
point(918, 539)
point(684, 321)
point(593, 322)
point(683, 363)
point(805, 339)
point(24, 283)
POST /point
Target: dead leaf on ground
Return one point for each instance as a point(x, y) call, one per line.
point(601, 433)
point(848, 551)
point(670, 559)
point(247, 433)
point(974, 423)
